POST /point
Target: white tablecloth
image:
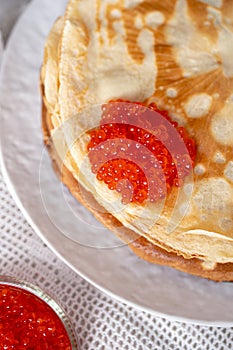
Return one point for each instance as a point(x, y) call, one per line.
point(100, 322)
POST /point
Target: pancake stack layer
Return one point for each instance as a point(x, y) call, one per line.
point(177, 54)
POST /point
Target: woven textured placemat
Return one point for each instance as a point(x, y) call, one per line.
point(100, 322)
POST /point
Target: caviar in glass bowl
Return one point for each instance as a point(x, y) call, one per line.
point(31, 319)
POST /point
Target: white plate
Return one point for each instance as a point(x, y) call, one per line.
point(117, 272)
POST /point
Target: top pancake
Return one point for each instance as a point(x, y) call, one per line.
point(177, 53)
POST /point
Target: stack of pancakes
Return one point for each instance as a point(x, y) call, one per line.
point(177, 54)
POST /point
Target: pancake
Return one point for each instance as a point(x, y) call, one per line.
point(178, 55)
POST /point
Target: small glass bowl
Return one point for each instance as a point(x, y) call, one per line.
point(47, 300)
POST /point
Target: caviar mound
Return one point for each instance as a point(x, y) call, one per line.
point(139, 151)
point(27, 322)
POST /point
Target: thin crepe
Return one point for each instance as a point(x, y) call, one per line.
point(194, 84)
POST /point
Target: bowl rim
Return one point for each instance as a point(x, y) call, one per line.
point(47, 299)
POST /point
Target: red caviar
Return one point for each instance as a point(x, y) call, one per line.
point(139, 151)
point(28, 323)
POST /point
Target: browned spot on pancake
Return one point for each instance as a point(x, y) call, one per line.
point(111, 7)
point(98, 21)
point(166, 8)
point(129, 16)
point(227, 11)
point(169, 71)
point(132, 34)
point(199, 14)
point(213, 83)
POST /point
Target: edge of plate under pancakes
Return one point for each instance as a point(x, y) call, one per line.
point(181, 84)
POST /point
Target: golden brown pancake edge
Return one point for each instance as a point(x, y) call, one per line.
point(140, 246)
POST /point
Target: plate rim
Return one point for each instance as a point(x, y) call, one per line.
point(11, 188)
